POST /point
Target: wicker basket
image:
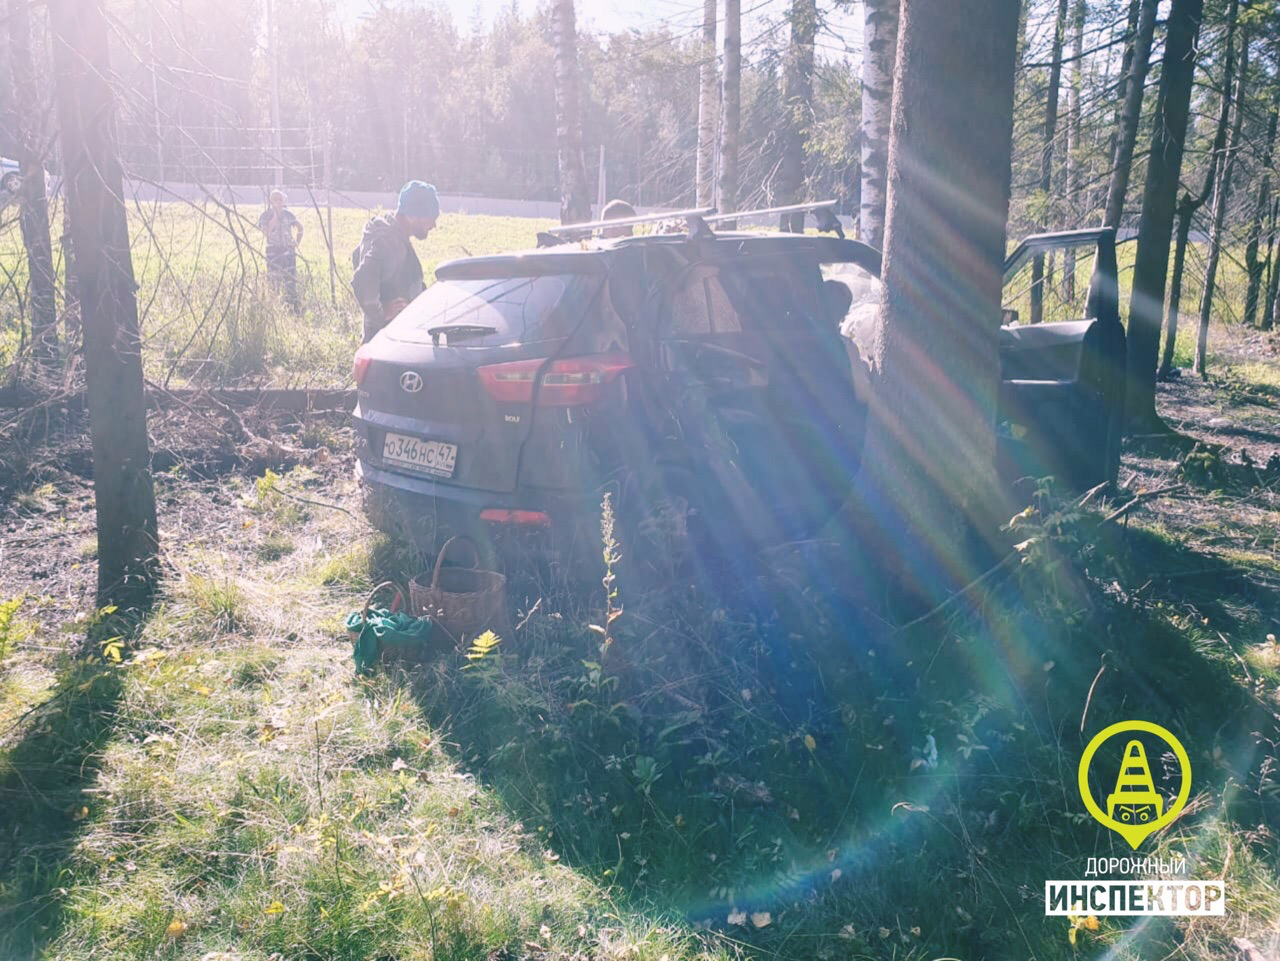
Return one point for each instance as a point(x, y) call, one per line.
point(462, 601)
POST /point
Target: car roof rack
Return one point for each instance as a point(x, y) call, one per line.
point(567, 232)
point(824, 214)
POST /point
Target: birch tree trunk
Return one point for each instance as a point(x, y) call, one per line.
point(1046, 155)
point(1074, 152)
point(1155, 225)
point(879, 49)
point(124, 497)
point(1254, 266)
point(797, 109)
point(928, 479)
point(575, 199)
point(708, 110)
point(1131, 115)
point(1221, 197)
point(28, 131)
point(731, 122)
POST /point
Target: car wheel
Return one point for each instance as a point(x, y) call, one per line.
point(11, 182)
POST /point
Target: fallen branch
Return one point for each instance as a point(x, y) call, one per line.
point(1142, 498)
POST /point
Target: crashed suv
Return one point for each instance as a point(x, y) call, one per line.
point(699, 379)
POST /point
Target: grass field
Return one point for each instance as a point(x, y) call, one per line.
point(208, 316)
point(217, 783)
point(207, 313)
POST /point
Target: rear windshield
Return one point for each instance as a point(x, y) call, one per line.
point(488, 313)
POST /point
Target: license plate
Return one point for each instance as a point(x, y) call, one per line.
point(429, 456)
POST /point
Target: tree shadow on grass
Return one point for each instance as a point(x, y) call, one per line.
point(672, 766)
point(44, 778)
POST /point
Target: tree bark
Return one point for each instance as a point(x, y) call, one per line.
point(28, 129)
point(1254, 266)
point(1046, 155)
point(879, 49)
point(731, 122)
point(125, 500)
point(1273, 271)
point(708, 110)
point(575, 199)
point(797, 109)
point(1174, 310)
point(1159, 195)
point(1189, 204)
point(1221, 197)
point(1073, 179)
point(1131, 115)
point(928, 480)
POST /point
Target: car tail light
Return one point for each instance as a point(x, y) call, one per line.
point(568, 382)
point(500, 515)
point(360, 366)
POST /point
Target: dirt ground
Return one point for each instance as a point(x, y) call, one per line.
point(205, 483)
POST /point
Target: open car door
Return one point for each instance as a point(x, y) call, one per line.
point(1061, 407)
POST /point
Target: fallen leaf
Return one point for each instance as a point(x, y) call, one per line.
point(762, 919)
point(176, 928)
point(737, 917)
point(544, 933)
point(885, 932)
point(275, 907)
point(810, 743)
point(836, 875)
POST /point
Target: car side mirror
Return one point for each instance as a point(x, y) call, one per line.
point(1008, 317)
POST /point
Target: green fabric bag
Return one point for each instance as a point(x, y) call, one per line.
point(386, 632)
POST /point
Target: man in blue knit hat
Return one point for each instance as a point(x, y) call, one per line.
point(388, 273)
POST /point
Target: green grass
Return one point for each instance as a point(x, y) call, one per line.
point(207, 313)
point(233, 785)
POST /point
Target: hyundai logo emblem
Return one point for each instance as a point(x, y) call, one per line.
point(411, 381)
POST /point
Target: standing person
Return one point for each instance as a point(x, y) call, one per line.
point(284, 232)
point(388, 273)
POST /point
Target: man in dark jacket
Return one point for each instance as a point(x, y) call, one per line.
point(388, 273)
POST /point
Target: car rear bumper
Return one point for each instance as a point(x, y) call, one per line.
point(423, 511)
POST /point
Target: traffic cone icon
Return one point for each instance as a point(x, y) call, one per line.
point(1134, 805)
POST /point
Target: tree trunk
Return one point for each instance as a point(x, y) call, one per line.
point(1131, 116)
point(1220, 200)
point(1185, 210)
point(708, 110)
point(575, 199)
point(1189, 204)
point(126, 509)
point(732, 119)
point(1046, 155)
point(28, 132)
point(1159, 195)
point(797, 109)
point(879, 49)
point(929, 468)
point(1074, 152)
point(1254, 265)
point(1273, 271)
